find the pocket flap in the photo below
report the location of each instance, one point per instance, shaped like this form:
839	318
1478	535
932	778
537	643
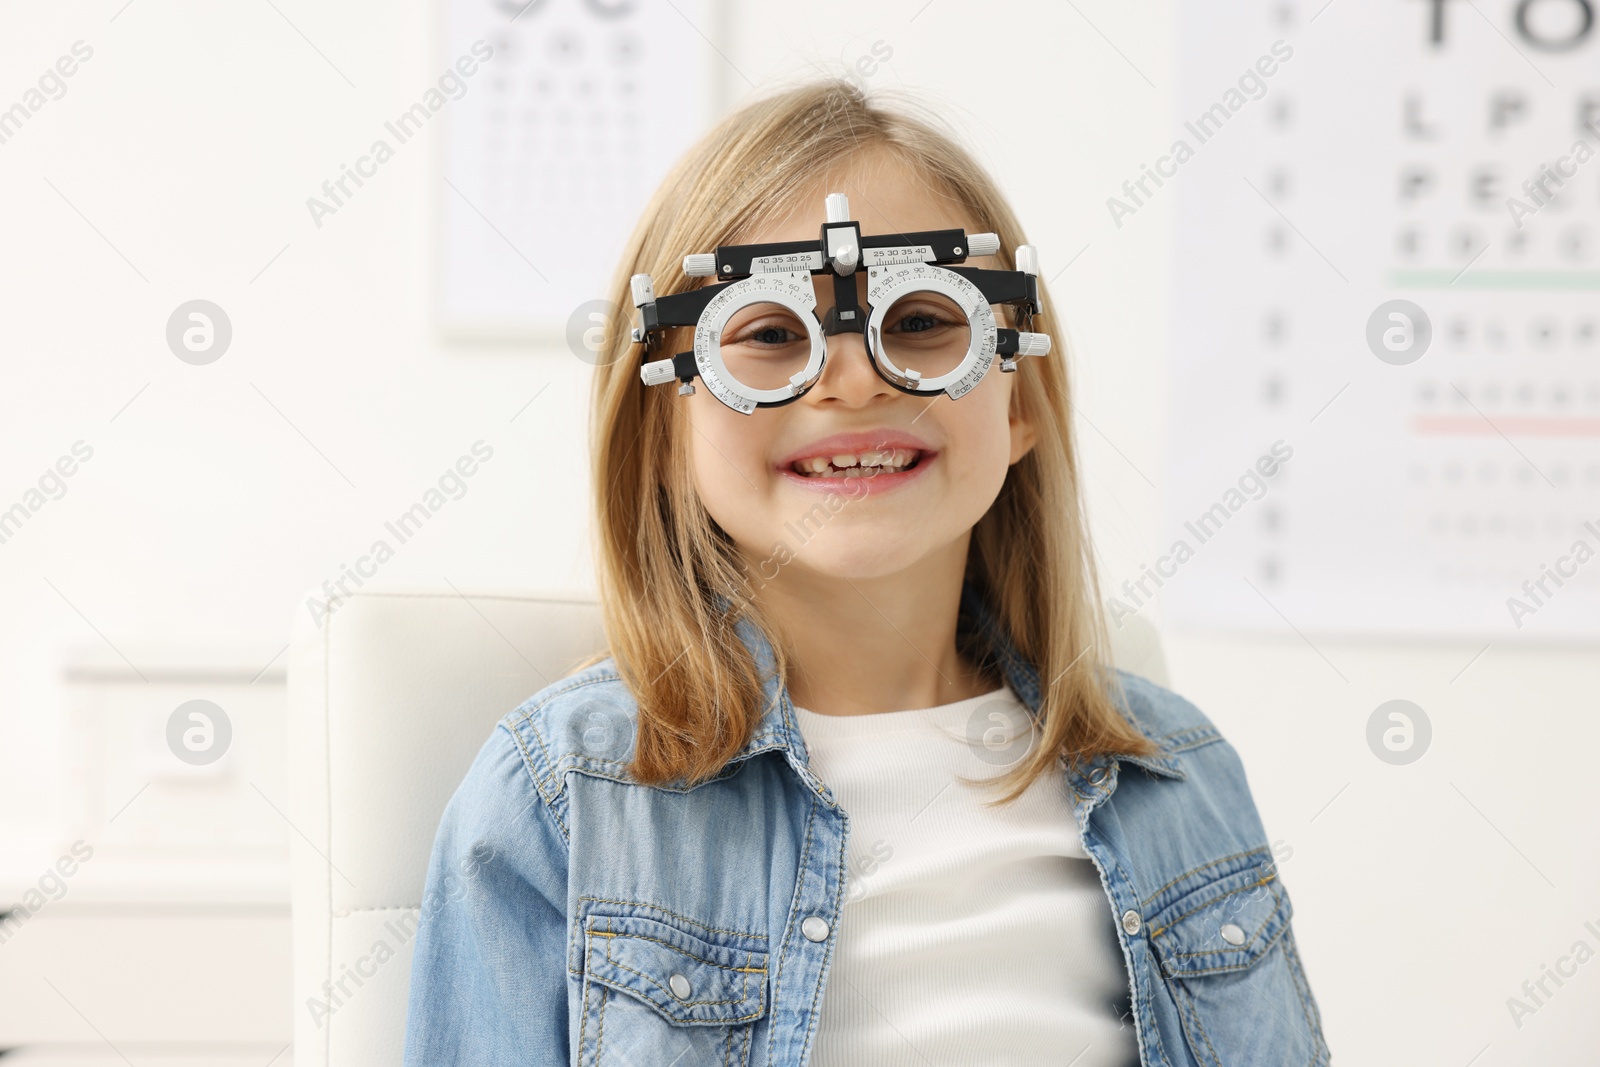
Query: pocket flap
1225	925
686	978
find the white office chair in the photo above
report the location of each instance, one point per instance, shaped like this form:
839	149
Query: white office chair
390	699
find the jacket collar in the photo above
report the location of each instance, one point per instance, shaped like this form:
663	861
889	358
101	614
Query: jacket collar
779	727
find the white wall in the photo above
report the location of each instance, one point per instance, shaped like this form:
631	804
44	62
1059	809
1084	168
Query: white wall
192	138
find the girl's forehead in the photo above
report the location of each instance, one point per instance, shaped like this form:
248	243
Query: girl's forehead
884	198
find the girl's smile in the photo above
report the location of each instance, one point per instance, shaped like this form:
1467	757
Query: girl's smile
874	461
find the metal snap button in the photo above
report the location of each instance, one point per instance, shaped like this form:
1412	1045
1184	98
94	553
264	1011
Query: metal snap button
1232	933
1131	921
815	929
1098	776
680	986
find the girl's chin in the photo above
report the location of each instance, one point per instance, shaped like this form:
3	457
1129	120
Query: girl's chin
833	556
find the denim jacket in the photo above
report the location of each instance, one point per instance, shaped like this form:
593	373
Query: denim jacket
575	916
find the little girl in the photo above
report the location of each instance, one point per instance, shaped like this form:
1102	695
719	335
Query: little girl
857	784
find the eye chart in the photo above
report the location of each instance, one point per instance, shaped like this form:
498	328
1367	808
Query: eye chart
1387	265
555	149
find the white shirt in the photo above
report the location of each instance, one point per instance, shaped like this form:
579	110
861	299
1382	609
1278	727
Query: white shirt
969	935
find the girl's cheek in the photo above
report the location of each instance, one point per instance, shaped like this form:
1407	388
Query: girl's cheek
984	430
731	446
725	462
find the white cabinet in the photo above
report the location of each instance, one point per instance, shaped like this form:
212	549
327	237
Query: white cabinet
152	920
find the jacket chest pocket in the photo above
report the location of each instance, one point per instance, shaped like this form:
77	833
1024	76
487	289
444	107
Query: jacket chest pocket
659	989
1227	955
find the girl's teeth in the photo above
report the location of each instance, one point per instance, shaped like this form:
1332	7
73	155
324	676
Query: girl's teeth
856	466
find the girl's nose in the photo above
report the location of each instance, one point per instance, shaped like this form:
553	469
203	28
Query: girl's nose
847	373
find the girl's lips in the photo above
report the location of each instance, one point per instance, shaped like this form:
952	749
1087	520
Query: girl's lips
853	444
860	484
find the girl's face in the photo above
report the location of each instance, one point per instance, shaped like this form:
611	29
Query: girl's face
926	468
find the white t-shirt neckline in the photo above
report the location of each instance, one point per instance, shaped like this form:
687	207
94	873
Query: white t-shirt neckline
873	724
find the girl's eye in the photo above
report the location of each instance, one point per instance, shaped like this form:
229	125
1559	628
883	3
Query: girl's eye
920	321
771	335
917	323
765	332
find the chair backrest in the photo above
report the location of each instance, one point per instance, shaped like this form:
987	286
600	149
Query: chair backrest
390	698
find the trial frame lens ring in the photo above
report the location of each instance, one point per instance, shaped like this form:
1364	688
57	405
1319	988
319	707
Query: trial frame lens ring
886	285
791	290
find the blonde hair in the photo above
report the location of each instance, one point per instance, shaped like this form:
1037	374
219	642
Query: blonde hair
665	567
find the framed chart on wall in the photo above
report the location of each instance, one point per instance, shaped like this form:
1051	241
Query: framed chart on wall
584	106
1385	331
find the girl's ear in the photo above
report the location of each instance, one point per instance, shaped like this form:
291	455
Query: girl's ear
1023	434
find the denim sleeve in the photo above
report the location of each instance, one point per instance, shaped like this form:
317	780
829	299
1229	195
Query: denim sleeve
488	979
